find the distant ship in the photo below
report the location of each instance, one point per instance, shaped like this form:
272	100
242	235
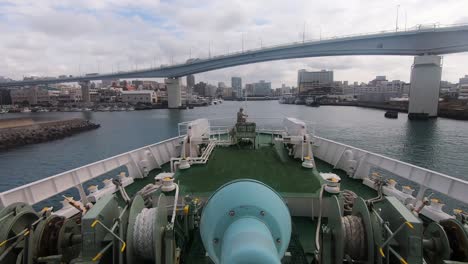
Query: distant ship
268	191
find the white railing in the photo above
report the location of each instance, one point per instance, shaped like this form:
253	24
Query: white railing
139	163
263	125
334	153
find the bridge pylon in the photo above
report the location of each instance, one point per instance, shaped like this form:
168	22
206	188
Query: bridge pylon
173	92
426	74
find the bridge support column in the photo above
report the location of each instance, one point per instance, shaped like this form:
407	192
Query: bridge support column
426	73
85	97
173	92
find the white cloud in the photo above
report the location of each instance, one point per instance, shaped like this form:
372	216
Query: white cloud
53	37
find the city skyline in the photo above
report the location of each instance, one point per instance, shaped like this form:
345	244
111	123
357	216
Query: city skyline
51	39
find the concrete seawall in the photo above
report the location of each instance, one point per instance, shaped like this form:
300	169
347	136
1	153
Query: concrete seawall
452	110
19	132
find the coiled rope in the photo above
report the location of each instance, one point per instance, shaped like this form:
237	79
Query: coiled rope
349	197
353	226
143	233
354	237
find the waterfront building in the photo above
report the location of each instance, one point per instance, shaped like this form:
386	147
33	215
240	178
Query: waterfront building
108	95
161	96
70	96
262	88
142	96
463	87
380	90
317	82
236	84
448	89
5	97
31	95
351	89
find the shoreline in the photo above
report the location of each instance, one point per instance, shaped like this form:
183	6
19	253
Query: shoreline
456	114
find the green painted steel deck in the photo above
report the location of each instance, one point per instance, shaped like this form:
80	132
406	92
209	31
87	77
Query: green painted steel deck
265	163
262	164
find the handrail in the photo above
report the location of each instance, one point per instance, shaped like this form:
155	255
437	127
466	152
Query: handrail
332	152
150	156
276	126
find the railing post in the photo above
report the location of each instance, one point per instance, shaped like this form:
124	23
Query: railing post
83	197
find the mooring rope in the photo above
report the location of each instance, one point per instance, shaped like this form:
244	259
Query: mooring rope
143	233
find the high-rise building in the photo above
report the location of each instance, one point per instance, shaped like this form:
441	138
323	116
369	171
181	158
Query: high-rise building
319	82
190	81
200	88
190	85
236	84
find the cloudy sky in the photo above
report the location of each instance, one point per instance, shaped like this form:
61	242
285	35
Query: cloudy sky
53	37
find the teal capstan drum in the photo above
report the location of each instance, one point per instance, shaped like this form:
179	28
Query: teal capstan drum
245	221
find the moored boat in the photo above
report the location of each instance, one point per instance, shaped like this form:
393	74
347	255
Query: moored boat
391	114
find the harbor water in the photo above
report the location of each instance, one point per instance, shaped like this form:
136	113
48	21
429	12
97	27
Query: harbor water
439	144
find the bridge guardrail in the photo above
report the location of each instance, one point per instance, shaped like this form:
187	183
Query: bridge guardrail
418	28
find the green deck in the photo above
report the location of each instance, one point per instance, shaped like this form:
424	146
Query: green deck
268	165
262	164
284	174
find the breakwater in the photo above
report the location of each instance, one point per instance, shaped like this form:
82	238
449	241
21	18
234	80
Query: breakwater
19	132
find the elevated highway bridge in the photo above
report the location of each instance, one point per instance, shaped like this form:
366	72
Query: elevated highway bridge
420	42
